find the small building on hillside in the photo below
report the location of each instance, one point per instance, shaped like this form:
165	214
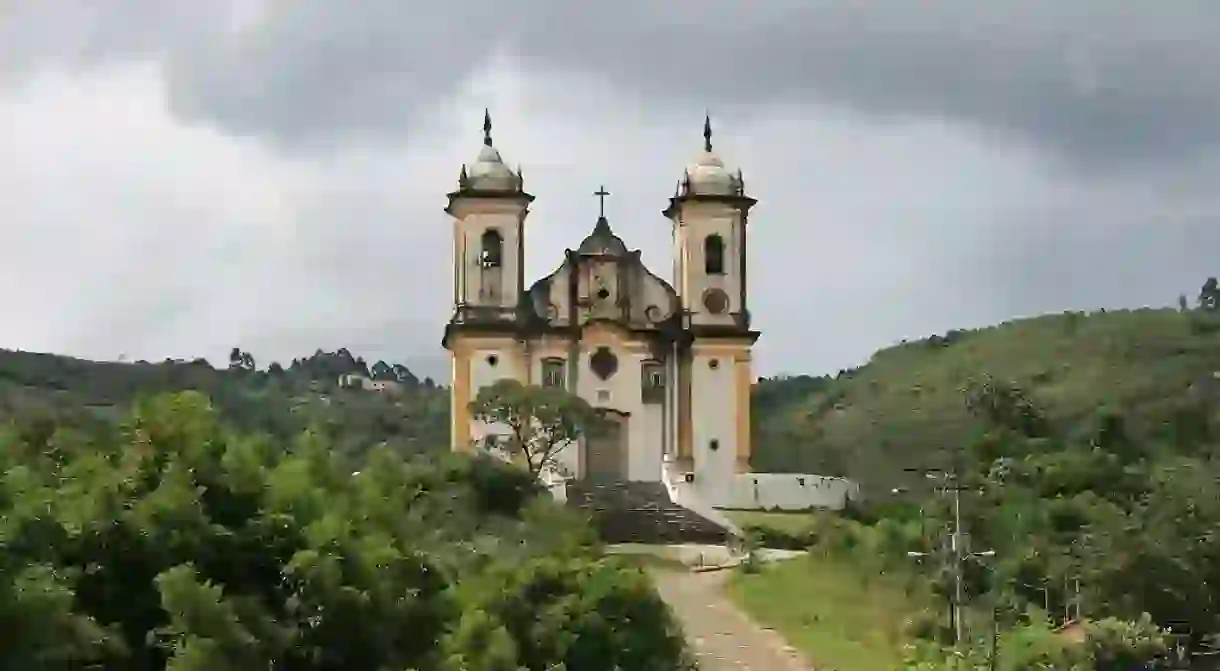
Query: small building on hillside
354	381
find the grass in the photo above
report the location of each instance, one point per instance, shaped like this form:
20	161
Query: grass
835	612
791	523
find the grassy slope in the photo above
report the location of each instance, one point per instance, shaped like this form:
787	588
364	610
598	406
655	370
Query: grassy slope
841	614
832	611
905	404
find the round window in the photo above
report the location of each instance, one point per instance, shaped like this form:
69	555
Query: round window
716	301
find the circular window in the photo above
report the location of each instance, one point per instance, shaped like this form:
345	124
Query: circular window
492	360
603	363
716	301
713	364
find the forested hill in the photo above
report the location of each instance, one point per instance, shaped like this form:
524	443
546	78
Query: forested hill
1157	369
277	400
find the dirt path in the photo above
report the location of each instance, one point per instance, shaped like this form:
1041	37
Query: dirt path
722	637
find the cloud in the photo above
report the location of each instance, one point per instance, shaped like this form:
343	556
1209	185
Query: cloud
1095	81
274	180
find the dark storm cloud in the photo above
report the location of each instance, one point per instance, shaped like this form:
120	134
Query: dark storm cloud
1093	79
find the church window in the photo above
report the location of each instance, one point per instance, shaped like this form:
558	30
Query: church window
715	301
713	255
492	244
553	373
652	382
603	363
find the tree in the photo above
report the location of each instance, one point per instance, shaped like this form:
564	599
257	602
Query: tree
1209	295
183	546
240	360
381	371
541	421
403	375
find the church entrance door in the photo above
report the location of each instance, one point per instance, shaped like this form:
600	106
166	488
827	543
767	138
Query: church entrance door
606	449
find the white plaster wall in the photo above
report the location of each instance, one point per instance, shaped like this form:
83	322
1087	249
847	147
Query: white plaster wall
622	392
696	224
789	491
472	227
688	495
645	460
483	374
714	417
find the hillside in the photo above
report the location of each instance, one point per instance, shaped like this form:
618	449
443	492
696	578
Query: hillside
906	404
279	401
900	409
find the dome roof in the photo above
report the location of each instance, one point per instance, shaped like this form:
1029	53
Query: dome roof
488	172
602	241
707	175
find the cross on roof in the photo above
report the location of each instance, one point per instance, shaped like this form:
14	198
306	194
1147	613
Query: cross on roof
601	194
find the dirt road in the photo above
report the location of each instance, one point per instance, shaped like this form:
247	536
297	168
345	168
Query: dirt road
721	636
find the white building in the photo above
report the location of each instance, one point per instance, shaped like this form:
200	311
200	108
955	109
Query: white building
669	362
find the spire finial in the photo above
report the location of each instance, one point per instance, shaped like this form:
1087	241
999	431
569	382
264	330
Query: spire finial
486	126
601	194
707	132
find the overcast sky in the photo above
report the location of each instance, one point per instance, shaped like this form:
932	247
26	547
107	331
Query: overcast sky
179	177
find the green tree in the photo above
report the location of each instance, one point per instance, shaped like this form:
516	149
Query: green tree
1209	295
180	544
541	421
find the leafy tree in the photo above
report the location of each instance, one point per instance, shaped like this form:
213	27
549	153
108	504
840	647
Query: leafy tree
1209	295
382	371
180	544
541	421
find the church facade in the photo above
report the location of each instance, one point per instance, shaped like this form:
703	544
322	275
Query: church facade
666	361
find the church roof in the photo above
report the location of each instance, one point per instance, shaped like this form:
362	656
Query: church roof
602	241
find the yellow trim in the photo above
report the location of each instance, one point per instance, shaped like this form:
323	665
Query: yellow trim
743	411
459	402
721	347
685	437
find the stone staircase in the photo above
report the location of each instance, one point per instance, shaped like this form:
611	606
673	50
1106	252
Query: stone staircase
641	512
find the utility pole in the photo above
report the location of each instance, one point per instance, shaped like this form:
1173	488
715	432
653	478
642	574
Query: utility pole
957	550
958	594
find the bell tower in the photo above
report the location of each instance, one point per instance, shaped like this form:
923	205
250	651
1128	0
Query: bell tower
488	210
710	212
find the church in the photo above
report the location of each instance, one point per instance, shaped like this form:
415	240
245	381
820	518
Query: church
666	362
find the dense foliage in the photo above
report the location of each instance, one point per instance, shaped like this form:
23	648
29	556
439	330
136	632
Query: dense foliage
41	389
1084	520
176	543
1155	368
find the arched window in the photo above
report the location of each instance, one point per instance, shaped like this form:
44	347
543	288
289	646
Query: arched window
493	248
713	255
554	373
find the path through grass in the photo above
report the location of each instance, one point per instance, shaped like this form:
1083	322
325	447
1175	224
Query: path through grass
831	609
